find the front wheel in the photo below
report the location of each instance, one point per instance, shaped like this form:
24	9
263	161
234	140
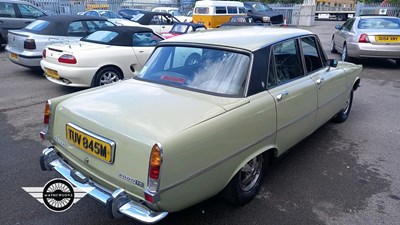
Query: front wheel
344	113
107	75
246	184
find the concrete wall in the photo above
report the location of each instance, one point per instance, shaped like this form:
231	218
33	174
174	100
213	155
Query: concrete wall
307	15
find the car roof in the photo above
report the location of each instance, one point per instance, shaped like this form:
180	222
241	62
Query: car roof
125	34
147	16
251	38
70	18
59	24
375	16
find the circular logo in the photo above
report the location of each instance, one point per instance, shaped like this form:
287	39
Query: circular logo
58	195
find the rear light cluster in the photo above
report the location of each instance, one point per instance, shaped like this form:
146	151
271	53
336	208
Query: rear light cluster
153	181
67	58
29	44
363	38
46	120
44	54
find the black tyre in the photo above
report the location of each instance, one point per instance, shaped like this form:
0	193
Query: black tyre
345	55
344	113
107	75
341	17
333	46
398	62
246	184
2	43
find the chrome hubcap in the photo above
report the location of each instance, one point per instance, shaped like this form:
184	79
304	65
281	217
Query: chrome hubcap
250	173
108	78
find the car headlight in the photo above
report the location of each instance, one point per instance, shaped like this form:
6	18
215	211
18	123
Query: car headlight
118	24
266	18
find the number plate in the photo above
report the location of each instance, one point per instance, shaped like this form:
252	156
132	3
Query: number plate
51	73
14	56
93	144
388	39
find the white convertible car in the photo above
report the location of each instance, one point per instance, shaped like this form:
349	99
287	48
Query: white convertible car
100	58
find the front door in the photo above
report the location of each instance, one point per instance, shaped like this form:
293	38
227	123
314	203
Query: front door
294	93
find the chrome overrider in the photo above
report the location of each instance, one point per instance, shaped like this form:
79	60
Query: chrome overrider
117	202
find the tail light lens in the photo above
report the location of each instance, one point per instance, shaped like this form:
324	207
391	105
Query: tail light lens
153	181
44	53
29	44
67	58
363	38
46	120
47	113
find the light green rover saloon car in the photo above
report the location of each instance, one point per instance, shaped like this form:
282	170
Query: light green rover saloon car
205	115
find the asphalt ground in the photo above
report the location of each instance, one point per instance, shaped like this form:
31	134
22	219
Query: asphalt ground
342	174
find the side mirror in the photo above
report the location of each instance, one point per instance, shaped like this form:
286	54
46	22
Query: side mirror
338	27
249	11
332	63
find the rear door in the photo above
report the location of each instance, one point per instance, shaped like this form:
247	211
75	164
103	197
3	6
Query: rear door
143	45
344	34
330	82
295	94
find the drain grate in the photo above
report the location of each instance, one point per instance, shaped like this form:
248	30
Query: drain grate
21	107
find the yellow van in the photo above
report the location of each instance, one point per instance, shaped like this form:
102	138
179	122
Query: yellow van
214	13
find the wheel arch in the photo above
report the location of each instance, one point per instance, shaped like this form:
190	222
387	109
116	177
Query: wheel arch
105	66
356	84
270	153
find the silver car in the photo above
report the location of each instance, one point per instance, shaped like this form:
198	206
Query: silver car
16	15
25	46
368	37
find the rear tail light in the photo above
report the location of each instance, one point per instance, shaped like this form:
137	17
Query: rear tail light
44	53
153	181
47	113
67	58
46	120
29	44
363	38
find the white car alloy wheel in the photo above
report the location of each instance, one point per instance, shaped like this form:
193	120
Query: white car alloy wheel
107	75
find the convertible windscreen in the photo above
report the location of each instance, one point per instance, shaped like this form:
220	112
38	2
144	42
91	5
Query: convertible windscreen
211	70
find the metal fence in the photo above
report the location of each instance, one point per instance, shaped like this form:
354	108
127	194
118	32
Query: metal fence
378	8
291	12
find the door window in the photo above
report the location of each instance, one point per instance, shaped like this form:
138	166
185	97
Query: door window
288	63
7	10
311	56
76	29
28	11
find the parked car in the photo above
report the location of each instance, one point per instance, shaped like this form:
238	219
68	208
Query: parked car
103	57
25	46
175	12
129	13
183	28
240	21
160	22
16	15
262	13
248	100
368	37
111	16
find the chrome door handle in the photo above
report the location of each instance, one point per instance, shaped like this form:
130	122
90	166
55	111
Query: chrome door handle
319	81
281	95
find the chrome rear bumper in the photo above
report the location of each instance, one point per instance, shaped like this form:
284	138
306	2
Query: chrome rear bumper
117	202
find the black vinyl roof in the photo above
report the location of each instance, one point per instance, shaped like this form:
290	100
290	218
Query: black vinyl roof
147	16
59	24
125	34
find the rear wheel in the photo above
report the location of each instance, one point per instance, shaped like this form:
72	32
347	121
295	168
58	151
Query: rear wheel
245	185
107	75
398	62
2	42
344	113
